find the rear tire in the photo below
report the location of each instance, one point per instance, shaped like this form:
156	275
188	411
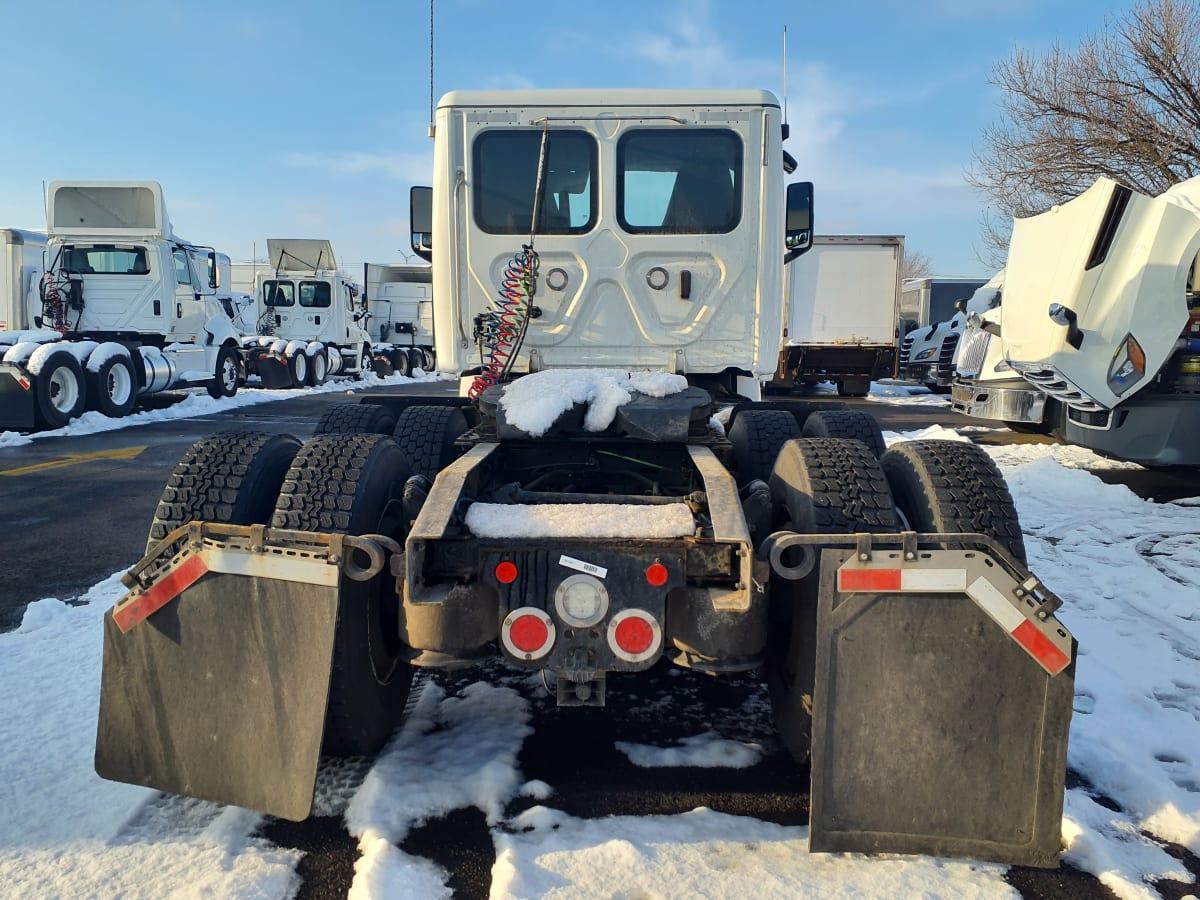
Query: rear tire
112	390
819	486
401	364
353	484
356	418
757	436
59	390
224	382
952	486
232	477
847	423
298	368
428	363
426	435
318	369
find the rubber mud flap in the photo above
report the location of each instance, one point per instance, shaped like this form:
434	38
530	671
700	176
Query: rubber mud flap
221	694
934	732
16	402
275	373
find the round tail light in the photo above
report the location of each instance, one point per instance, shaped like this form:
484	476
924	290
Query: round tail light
527	633
634	635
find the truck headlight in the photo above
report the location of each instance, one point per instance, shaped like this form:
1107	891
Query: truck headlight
926	354
1128	366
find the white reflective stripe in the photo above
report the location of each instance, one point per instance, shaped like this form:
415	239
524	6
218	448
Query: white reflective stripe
995	604
270	565
933	579
580	566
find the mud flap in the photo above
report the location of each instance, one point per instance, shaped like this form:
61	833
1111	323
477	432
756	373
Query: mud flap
275	373
217	665
16	399
941	708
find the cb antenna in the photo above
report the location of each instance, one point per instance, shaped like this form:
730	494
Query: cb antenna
431	111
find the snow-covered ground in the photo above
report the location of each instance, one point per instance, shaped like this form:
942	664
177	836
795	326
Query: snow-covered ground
1127	569
199	403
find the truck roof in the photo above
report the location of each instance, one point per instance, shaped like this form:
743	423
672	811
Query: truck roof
608	99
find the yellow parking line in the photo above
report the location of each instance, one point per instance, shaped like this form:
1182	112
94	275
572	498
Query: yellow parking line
74	459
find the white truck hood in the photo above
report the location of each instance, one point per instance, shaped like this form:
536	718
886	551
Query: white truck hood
1122	272
300	254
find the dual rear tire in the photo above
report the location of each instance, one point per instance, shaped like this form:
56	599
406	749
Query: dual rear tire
837	486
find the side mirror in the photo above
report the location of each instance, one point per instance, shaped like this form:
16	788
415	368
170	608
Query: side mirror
214	275
798	220
420	221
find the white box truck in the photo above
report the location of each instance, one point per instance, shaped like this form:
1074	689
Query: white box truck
399	299
841	317
20	269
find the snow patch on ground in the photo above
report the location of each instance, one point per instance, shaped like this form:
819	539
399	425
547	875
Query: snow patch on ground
704	751
548	854
452	752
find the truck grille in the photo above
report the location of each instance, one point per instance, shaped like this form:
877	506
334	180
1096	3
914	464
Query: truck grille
1055	384
945	363
972	351
905	350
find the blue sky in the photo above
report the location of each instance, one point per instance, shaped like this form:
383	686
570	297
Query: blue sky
302	119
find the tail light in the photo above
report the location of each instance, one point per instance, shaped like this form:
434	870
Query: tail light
634	635
527	633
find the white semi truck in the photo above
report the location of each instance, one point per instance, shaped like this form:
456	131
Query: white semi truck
933	326
1101	317
841	315
314	322
580	521
124	307
399	299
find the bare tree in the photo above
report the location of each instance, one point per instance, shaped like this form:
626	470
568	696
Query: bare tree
1125	103
915	265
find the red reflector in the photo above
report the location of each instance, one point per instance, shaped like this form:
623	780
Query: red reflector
506	572
528	633
869	580
657	574
634	635
24	382
1040	647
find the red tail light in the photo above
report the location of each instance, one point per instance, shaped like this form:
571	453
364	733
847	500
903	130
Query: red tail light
634	635
527	633
506	572
657	574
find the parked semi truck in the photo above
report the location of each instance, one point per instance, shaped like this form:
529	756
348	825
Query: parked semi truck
124	307
1101	318
841	315
399	300
582	521
933	324
313	321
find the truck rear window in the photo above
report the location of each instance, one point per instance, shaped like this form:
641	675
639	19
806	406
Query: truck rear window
505	178
106	260
315	293
278	293
679	181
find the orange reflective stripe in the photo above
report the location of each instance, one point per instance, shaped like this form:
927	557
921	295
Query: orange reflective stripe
160	594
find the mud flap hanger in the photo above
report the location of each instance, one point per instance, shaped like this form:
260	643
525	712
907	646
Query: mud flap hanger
193	550
895	563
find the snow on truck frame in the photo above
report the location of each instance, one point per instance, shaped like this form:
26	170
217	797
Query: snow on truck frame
582	521
124	307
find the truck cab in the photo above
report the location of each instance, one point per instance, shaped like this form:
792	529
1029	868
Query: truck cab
657	215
